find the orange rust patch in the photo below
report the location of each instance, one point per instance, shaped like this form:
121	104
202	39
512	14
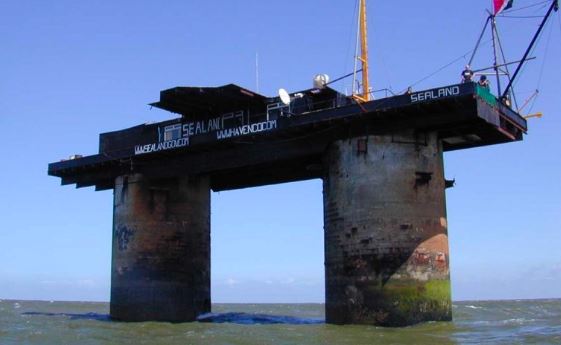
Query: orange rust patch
438	243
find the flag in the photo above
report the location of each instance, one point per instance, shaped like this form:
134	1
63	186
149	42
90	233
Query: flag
501	5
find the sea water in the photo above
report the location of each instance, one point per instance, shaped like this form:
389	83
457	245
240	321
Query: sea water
491	322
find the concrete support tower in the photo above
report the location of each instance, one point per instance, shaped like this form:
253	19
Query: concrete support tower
161	249
386	243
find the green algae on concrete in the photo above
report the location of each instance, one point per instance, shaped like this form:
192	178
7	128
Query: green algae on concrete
403	303
387	257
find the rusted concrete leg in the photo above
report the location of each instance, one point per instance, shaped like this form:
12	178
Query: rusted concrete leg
161	249
386	243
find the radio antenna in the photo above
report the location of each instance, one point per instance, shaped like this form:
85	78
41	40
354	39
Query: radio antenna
257	71
363	96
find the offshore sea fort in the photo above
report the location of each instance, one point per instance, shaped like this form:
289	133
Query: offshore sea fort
491	322
381	163
380	160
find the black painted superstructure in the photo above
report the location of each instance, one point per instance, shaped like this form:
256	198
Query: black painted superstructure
242	139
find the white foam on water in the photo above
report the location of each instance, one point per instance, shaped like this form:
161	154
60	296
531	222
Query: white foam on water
517	321
473	307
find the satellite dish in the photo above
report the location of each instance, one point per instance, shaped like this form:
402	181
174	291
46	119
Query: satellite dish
284	96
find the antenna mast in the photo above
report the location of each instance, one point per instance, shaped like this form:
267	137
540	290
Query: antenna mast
257	71
365	95
554	7
494	35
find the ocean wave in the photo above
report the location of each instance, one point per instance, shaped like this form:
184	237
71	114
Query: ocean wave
253	319
85	316
517	321
473	307
492	322
506	322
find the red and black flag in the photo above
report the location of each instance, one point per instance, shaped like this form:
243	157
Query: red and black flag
501	5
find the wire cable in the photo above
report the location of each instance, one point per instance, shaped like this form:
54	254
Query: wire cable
355	59
518	9
350	39
559	20
533	103
545	56
542	68
520	17
524	67
442	68
500	45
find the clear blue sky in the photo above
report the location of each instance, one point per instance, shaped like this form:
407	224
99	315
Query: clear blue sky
73	69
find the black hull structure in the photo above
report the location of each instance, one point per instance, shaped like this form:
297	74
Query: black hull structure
242	139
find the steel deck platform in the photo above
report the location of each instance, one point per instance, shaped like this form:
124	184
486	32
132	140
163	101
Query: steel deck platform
249	148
